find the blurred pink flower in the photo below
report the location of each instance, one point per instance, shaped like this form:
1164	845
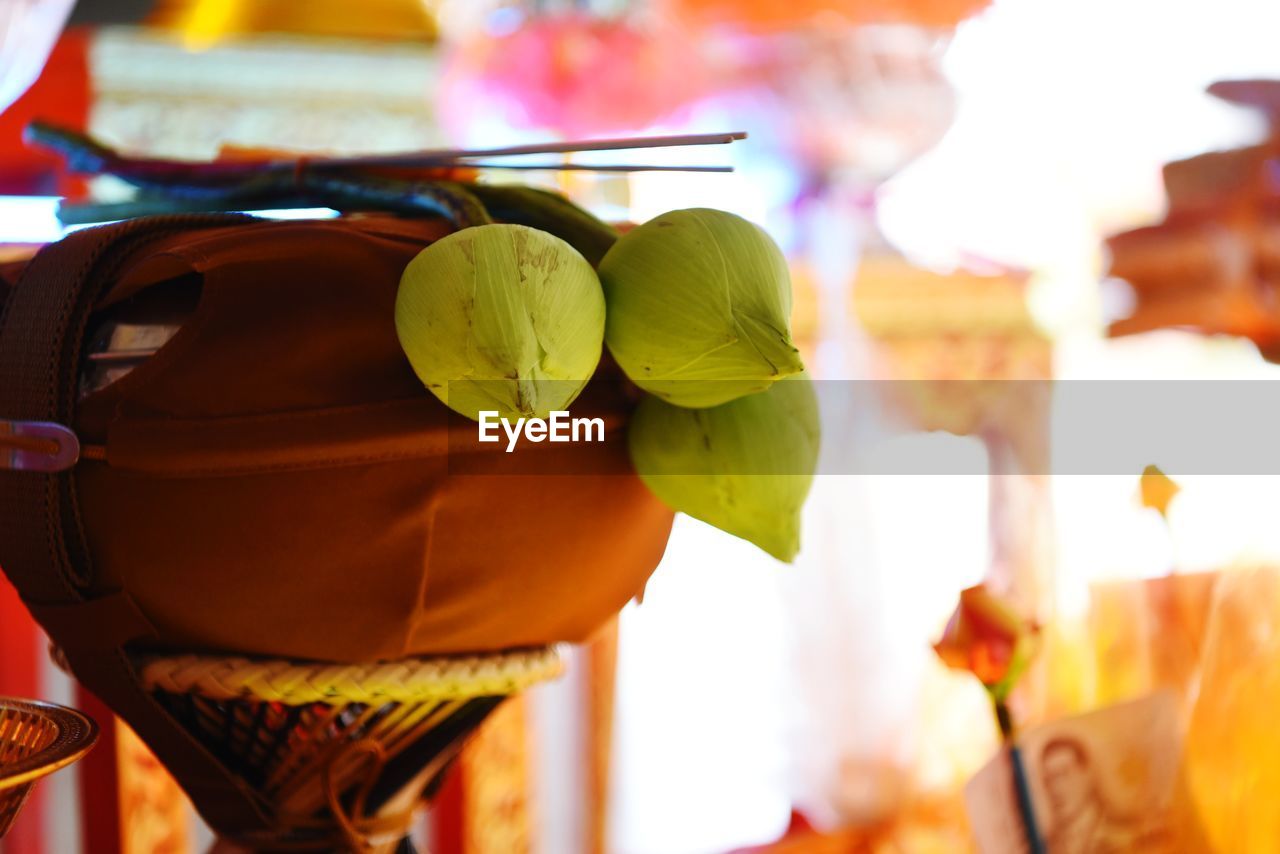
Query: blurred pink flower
575	75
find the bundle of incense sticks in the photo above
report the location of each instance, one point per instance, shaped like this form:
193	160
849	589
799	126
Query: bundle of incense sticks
84	154
431	181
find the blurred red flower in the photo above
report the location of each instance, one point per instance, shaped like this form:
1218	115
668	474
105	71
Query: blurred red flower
988	638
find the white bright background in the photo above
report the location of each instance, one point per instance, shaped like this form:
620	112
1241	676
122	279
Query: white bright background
1066	111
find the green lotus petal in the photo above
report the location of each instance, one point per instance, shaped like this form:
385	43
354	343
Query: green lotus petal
745	466
699	306
501	317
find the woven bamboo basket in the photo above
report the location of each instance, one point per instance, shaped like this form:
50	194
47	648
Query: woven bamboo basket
342	755
36	739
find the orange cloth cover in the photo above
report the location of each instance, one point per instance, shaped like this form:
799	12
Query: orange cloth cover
277	481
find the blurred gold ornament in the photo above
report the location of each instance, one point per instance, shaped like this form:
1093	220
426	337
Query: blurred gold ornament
205	23
1157	489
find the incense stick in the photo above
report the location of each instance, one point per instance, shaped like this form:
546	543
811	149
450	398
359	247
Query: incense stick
588	167
449	156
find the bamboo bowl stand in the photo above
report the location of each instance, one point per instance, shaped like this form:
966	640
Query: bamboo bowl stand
341	755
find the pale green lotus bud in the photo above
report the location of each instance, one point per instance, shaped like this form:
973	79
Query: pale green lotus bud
744	466
699	307
501	317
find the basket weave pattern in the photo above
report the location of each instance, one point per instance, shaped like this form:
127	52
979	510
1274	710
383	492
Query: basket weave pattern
36	739
338	748
294	683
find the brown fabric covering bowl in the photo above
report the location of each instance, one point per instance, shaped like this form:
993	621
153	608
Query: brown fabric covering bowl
277	481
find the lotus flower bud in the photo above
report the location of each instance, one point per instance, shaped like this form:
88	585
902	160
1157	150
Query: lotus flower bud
501	317
744	466
699	306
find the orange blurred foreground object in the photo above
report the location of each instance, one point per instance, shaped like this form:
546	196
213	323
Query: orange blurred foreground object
766	15
1232	753
1149	634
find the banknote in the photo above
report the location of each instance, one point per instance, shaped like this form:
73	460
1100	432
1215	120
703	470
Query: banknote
1100	783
